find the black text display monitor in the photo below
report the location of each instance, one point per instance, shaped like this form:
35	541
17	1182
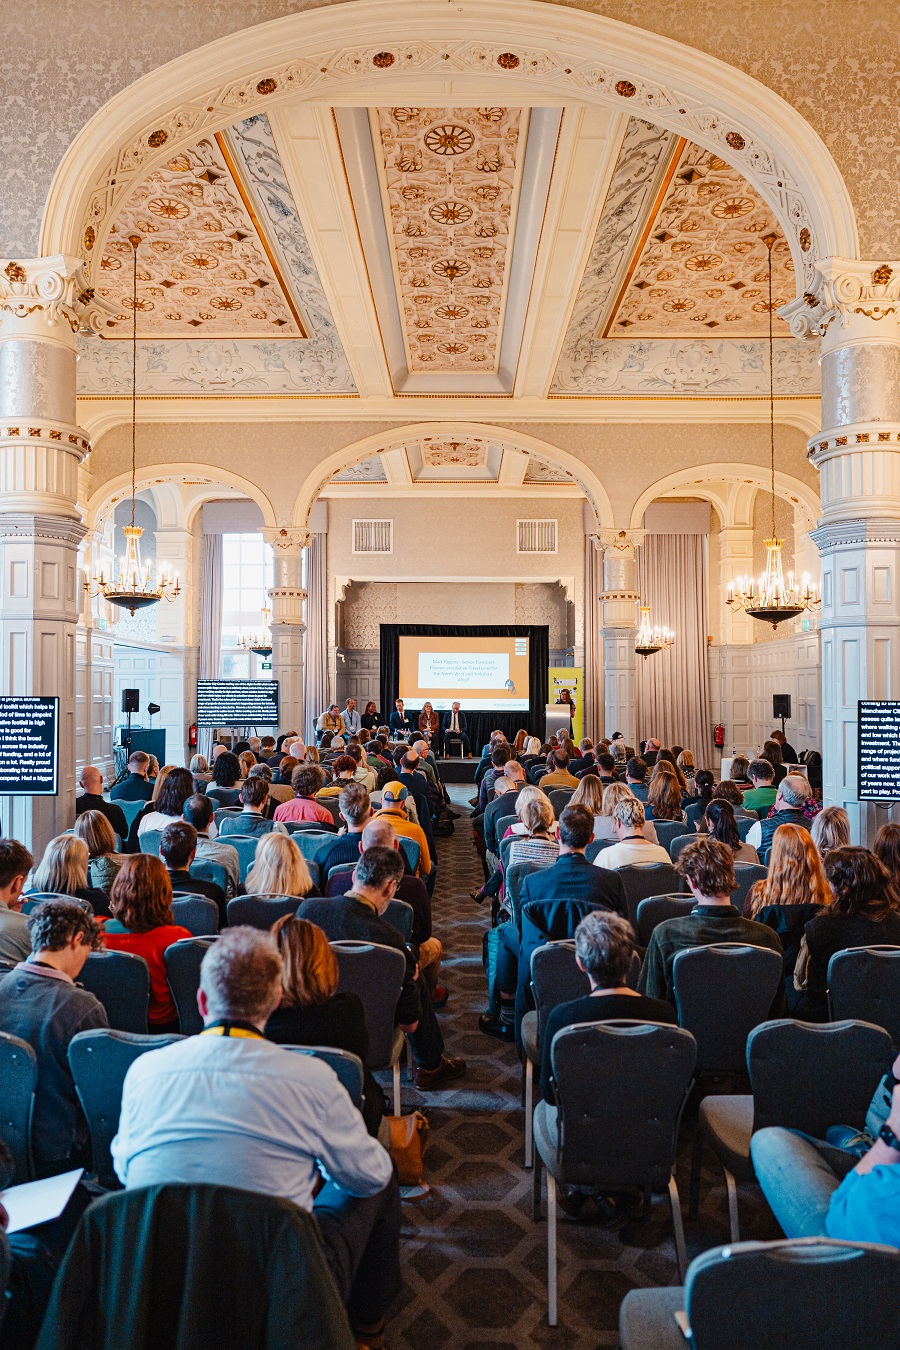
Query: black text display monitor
29	746
237	703
879	750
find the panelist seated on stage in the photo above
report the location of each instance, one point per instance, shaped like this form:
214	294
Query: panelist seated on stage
456	729
428	723
330	720
400	723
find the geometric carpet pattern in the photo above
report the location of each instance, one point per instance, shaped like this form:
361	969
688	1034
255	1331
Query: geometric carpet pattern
474	1261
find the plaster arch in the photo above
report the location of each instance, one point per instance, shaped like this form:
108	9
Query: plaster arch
159	481
389	51
516	440
746	478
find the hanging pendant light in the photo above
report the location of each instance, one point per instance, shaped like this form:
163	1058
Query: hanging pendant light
650	640
134	588
259	646
775	599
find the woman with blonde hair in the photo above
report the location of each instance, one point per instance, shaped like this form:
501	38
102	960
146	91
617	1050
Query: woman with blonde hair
685	762
63	870
664	795
104	860
312	1012
604	826
538	844
312	755
793	893
831	829
142	923
279	868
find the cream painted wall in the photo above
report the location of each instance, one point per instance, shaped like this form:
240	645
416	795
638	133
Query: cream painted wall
371	603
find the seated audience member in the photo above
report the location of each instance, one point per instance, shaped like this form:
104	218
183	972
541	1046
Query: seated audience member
104	860
636	778
380	833
503	804
141	905
306	781
363	774
664	797
739	767
330	721
705	784
605	768
538	845
356	810
865	912
887	849
254	795
173	787
668	757
788	753
41	1003
414	781
500	756
571	877
370	719
137	786
178	849
247	761
651	749
343	769
359	915
63	870
229	1104
312	1012
199	767
794	892
831	829
226	780
631	846
618	749
456	728
394	795
557	774
279	868
685	762
727	791
280	789
15	864
815	1190
708	869
760	796
153	768
604	822
198	812
788	810
604	950
266	775
772	752
92	799
722	826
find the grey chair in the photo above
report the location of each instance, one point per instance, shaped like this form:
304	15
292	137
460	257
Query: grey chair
121	981
803	1076
555	979
197	914
816	1293
504	823
597	846
679	843
723	991
261	911
305	826
656	909
376	974
36	898
204	869
598	1139
400	915
864	983
183	960
310	842
348	1067
745	825
149	841
641	880
411	850
246	845
18	1074
99	1061
746	875
559	799
667	830
333	884
512	887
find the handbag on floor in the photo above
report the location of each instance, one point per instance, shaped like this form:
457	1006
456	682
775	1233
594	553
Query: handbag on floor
409	1140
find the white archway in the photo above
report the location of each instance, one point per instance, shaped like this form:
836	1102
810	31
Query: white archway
746	479
389	50
157	477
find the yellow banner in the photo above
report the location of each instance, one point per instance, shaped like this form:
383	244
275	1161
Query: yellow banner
571	679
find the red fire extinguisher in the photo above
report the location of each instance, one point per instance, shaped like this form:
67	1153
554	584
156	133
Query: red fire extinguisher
192	734
719	736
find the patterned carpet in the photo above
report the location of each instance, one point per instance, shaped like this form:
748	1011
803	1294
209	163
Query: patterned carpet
474	1261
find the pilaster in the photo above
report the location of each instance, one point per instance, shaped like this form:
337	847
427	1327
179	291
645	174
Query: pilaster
287	598
735	560
619	601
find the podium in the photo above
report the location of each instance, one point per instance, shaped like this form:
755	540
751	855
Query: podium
556	718
152	742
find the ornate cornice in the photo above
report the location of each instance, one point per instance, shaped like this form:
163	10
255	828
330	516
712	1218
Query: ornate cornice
42	528
861	530
37	294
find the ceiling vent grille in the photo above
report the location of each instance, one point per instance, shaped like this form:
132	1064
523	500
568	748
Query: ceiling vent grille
373	536
536	536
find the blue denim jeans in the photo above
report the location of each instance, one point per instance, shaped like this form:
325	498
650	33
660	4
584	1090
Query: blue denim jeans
799	1175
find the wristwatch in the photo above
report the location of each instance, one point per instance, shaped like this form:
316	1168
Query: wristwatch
887	1134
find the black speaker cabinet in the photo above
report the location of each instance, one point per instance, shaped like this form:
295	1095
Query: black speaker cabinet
781	705
131	700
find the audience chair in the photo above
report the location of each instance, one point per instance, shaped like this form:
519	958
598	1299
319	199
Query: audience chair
504	823
864	983
679	843
803	1076
667	830
620	1089
745	825
597	846
196	913
99	1061
246	850
816	1293
149	842
400	916
746	875
555	979
304	826
559	799
261	911
723	991
348	1067
222	811
36	898
203	869
410	847
512	888
641	880
376	974
18	1074
309	842
121	981
130	810
333	884
183	961
656	909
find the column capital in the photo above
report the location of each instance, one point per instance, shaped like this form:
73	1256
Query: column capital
285	540
620	543
48	298
859	301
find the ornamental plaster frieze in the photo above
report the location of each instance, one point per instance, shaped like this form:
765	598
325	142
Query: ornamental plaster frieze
686	368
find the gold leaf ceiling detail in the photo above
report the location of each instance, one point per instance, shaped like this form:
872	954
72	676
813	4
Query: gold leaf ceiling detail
700	265
202	266
450	179
470	453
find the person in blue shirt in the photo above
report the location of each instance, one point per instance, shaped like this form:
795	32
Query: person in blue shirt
351	718
815	1190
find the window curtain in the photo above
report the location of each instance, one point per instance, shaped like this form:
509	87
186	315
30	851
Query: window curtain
673	685
315	661
212	585
593	640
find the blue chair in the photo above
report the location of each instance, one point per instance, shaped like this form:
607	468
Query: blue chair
149	841
36	898
121	981
348	1068
305	826
183	960
261	911
197	914
204	869
412	850
376	974
310	842
246	845
400	916
18	1074
130	810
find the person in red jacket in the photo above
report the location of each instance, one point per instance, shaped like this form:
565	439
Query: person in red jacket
141	905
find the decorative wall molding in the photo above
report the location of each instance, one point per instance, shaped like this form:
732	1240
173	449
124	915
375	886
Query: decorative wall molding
688	369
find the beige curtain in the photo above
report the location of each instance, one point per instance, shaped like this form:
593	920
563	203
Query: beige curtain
593	640
673	685
315	654
211	589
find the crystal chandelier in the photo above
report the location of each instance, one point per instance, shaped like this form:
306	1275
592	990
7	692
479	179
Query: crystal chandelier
772	599
259	646
650	640
134	588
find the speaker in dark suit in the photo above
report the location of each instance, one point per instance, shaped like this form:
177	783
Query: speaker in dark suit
456	728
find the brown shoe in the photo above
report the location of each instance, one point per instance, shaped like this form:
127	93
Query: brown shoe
450	1067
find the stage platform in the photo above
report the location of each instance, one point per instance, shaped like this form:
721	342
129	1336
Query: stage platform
457	770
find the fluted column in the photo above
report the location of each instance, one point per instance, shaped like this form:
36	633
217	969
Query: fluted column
43	303
287	597
619	600
857	454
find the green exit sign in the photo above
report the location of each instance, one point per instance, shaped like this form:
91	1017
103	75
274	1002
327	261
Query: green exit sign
266	665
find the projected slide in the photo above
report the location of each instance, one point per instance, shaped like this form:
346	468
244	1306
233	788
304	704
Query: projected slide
485	673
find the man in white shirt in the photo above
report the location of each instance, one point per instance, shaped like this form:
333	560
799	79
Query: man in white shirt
351	718
230	1108
632	847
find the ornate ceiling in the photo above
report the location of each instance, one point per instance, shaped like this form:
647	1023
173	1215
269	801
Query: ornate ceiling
446	460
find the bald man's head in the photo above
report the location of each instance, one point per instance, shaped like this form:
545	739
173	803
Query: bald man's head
514	771
379	833
92	780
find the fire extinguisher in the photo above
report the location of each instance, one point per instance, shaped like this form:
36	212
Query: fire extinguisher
192	735
719	736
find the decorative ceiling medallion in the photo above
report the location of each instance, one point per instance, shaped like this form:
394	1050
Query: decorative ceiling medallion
467	166
471	454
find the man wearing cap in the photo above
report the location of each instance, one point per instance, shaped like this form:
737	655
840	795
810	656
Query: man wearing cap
393	797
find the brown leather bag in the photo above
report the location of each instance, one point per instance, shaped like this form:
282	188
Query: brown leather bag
409	1140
